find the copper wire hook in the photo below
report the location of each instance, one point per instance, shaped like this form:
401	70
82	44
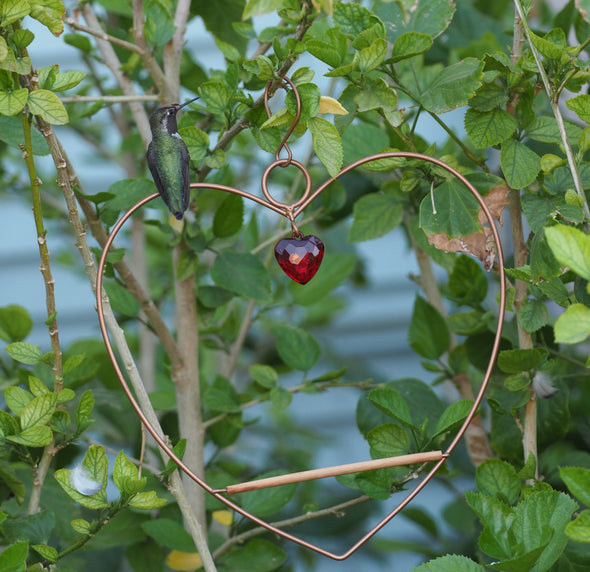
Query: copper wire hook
283	143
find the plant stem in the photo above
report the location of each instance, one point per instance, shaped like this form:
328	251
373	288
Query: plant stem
529	431
554	102
41	468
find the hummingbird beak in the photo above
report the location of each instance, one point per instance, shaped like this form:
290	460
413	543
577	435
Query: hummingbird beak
179	107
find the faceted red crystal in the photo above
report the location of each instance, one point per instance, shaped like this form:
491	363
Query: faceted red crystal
300	258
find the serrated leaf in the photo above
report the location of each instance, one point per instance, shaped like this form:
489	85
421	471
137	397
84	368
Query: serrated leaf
197	142
580	105
242	273
392	404
216	95
453	86
352	19
372	56
48	106
326	144
579	529
50	13
408	45
388	440
375	215
124	470
498	479
520	164
486	129
533	314
260	7
67	80
450	563
515	361
453	416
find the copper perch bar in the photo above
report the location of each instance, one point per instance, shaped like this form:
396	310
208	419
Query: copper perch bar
334	471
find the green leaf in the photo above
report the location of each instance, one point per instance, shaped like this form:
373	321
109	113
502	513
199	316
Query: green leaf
453	86
148	500
242	273
11	132
121	299
372	56
520	164
258	554
264	375
352	19
67	80
571	247
515	361
36	528
374	215
376	95
456	211
221	396
24	352
36	436
39	410
96	463
47	552
159	24
324	52
216	95
489	128
296	347
498	479
375	484
50	13
229	216
169	533
60	421
13	102
467	283
14	557
579	529
453	417
213	297
280	398
573	326
430	18
37	387
450	563
17	398
580	105
15	323
326	144
260	7
388	440
265	502
48	106
408	45
84	410
428	335
335	269
95	501
392	404
81	526
124	471
577	480
197	142
533	314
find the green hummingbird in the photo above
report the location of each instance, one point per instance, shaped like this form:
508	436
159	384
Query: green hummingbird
168	159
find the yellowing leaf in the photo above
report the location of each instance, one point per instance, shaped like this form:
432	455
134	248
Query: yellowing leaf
224	517
331	105
323	5
178	560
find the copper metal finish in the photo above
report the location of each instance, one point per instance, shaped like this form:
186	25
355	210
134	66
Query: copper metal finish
291	212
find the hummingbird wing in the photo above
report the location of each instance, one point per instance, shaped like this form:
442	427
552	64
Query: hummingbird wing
186	177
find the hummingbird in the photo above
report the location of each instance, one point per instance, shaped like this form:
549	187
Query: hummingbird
168	159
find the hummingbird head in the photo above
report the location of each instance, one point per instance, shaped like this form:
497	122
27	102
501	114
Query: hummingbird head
164	118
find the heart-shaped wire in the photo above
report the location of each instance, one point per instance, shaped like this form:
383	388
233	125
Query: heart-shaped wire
291	212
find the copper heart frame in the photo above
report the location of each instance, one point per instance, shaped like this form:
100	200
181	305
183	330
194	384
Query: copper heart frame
291	212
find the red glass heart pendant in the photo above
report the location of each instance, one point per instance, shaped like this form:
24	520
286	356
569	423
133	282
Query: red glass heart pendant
300	257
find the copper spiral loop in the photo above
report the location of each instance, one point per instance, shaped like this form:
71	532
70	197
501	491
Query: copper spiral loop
291	212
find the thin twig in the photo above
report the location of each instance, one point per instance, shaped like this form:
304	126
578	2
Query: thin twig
102	35
108	98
